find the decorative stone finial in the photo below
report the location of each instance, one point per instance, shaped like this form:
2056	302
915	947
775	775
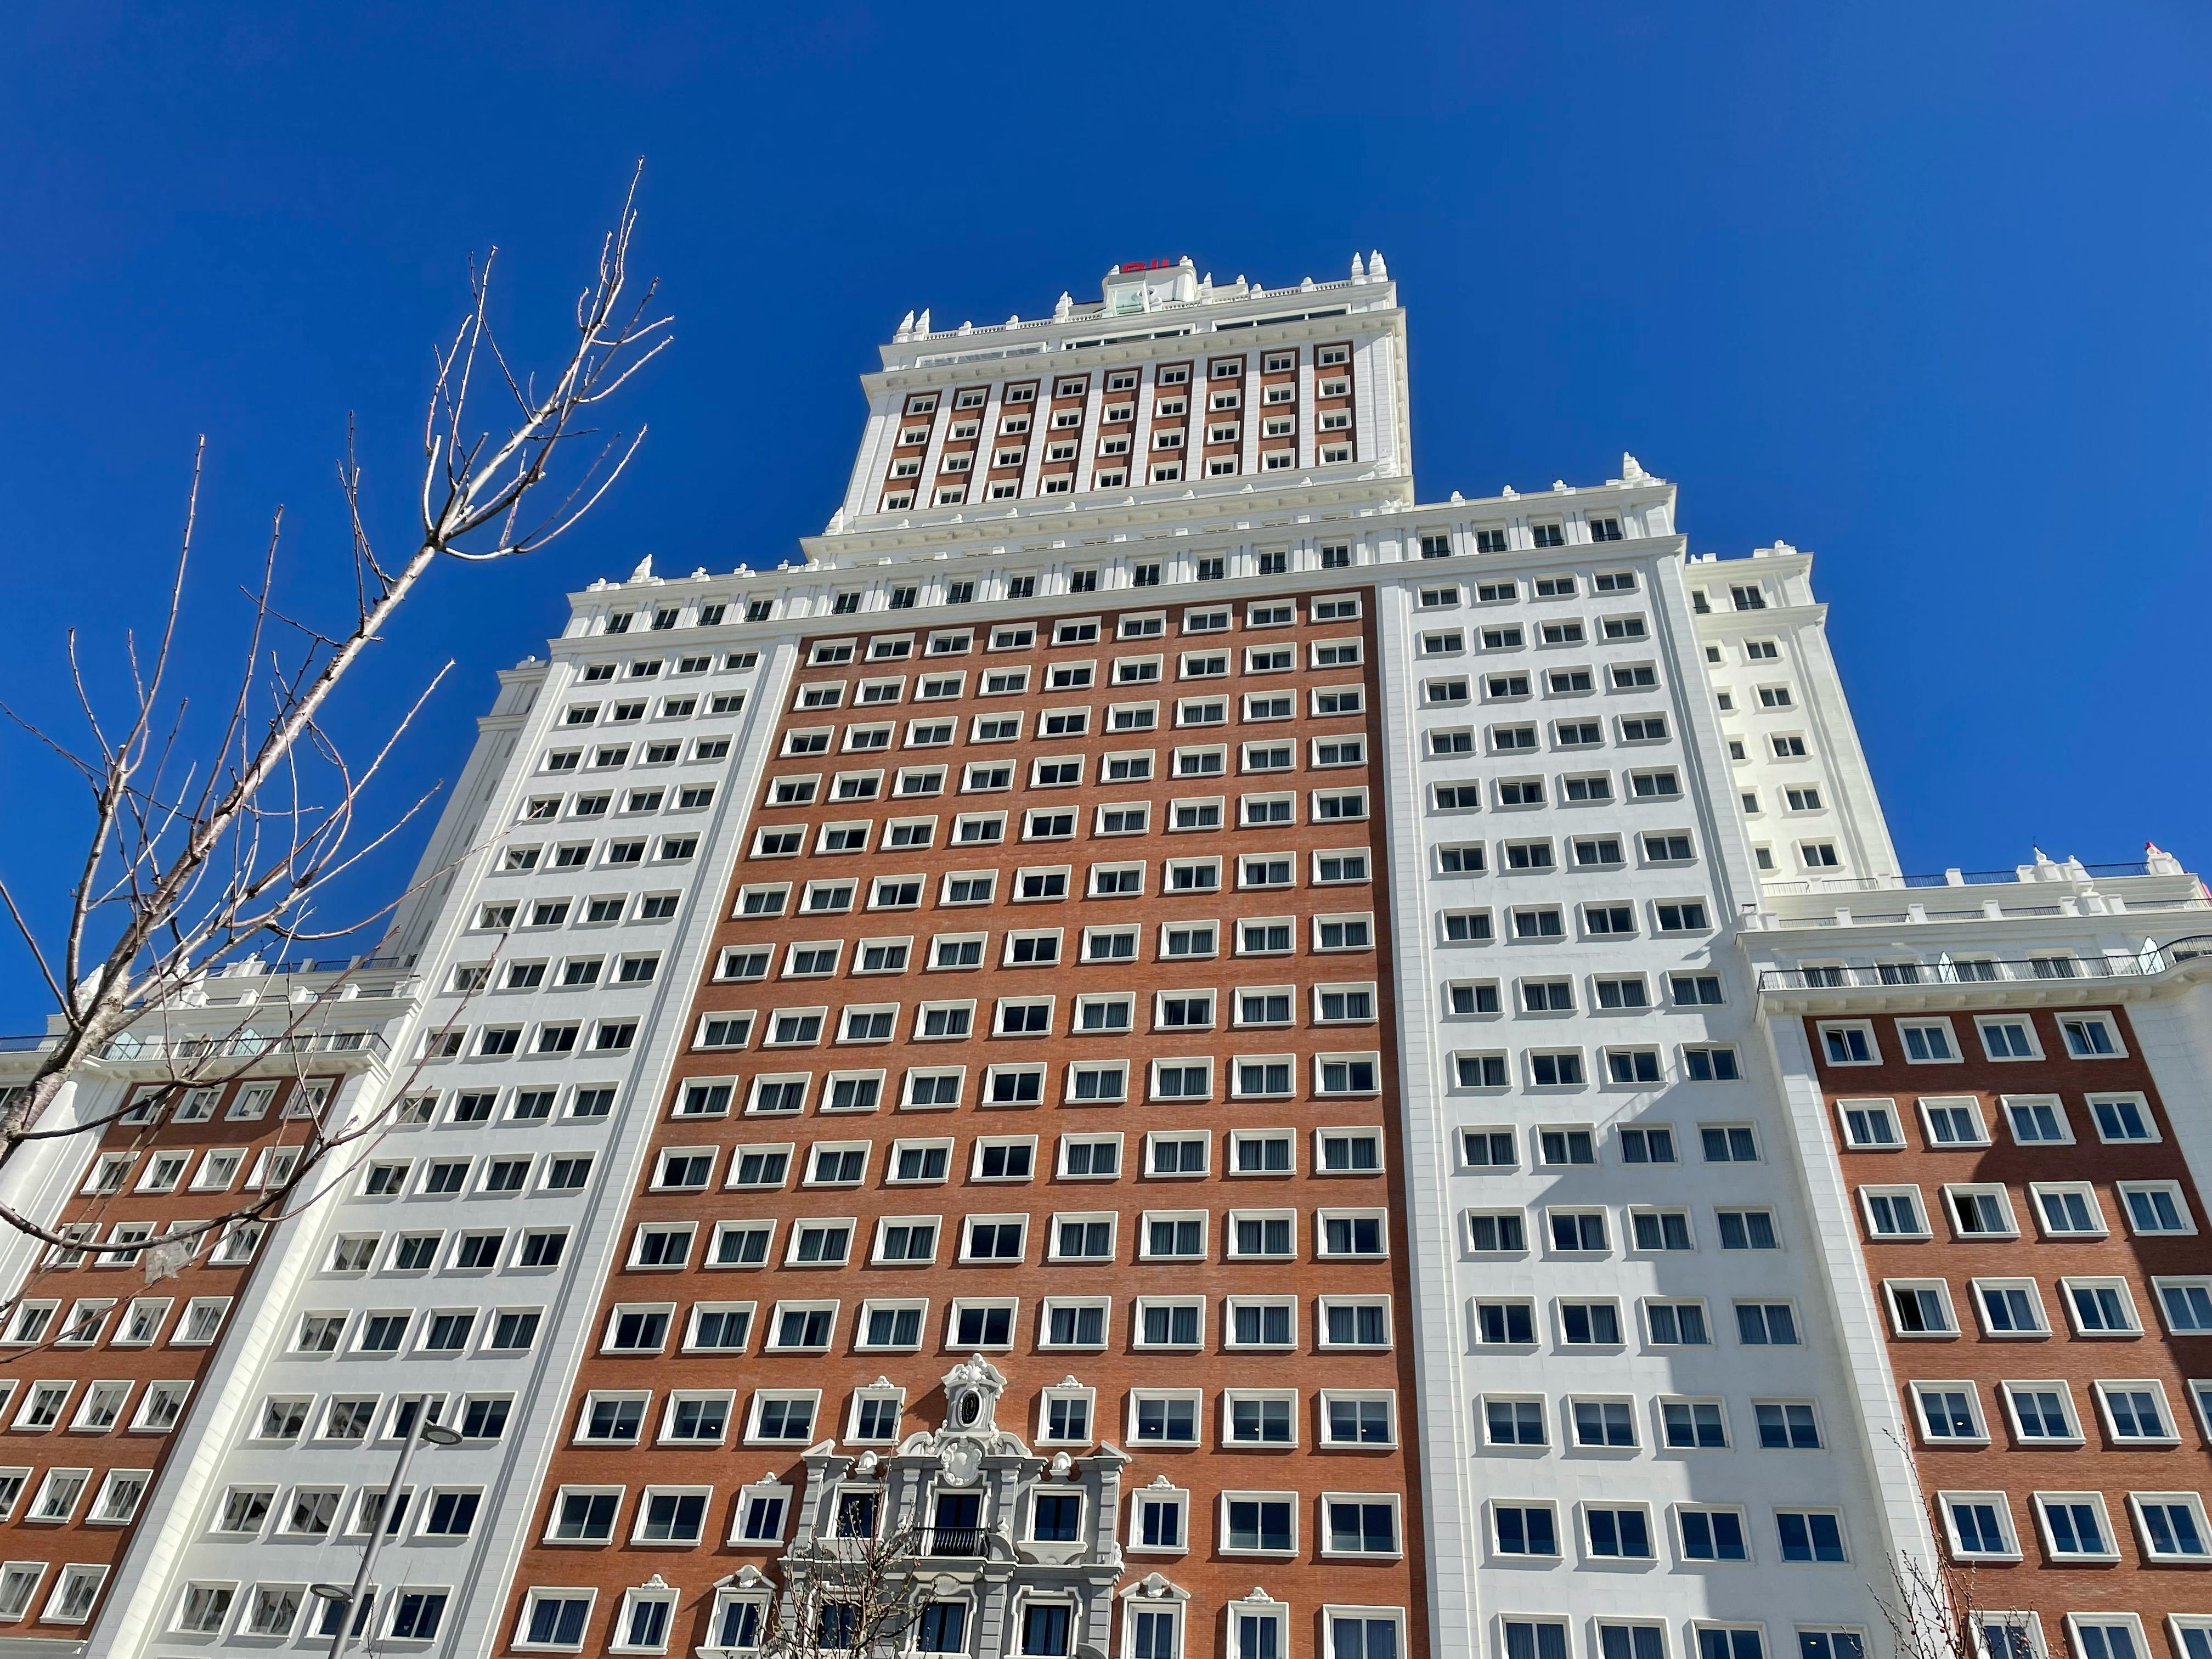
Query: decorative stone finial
644	571
1375	267
905	329
1359	271
1630	469
1063	307
922	323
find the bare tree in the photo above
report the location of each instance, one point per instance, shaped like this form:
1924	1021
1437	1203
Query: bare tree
845	1595
206	846
1933	1613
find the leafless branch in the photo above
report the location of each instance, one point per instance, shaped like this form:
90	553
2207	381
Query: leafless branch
1932	1610
197	853
847	1594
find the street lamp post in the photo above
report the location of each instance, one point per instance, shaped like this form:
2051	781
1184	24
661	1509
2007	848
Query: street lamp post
420	1430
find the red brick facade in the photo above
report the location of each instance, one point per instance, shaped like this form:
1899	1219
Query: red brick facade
2068	1155
981	1134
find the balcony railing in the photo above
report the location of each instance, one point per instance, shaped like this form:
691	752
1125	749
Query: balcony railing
962	1543
2018	876
130	1049
2048	969
328	964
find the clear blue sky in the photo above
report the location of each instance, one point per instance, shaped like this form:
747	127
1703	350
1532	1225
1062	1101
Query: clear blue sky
1921	288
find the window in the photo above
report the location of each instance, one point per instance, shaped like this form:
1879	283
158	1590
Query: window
1524	1529
2155	1206
1672	1324
2119	1636
1765	1324
1979	1526
1893	1211
2122	1118
1603	1422
1869	1124
2104	1307
2074	1527
2037	1120
1712	1535
2186	1304
1694	1423
1660	1230
1748	1231
1513	1422
1576	1230
1367	1526
2088	1036
1948	1413
1160	1417
1617	1533
1950	1123
2007	1037
1979	1211
1920	1307
1810	1536
1355	1323
2171	1525
1505	1323
1557	1070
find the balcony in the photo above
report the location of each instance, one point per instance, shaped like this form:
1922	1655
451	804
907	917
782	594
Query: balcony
130	1051
962	1543
1974	877
2046	889
2053	978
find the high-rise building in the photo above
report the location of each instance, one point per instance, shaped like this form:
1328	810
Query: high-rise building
1170	1051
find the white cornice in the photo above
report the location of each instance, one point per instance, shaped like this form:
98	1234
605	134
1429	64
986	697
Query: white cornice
1035	541
1044	340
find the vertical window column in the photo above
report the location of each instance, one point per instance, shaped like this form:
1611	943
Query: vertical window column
1040	430
941	423
987	446
1309	440
1247	417
1086	448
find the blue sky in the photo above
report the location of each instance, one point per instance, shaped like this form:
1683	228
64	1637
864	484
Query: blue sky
1922	288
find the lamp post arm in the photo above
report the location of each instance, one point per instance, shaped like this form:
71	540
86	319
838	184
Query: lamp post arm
344	1639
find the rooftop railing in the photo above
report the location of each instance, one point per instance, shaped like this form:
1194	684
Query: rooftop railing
2018	874
2052	967
246	1045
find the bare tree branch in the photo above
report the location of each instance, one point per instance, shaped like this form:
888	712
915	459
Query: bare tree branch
197	855
853	1592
